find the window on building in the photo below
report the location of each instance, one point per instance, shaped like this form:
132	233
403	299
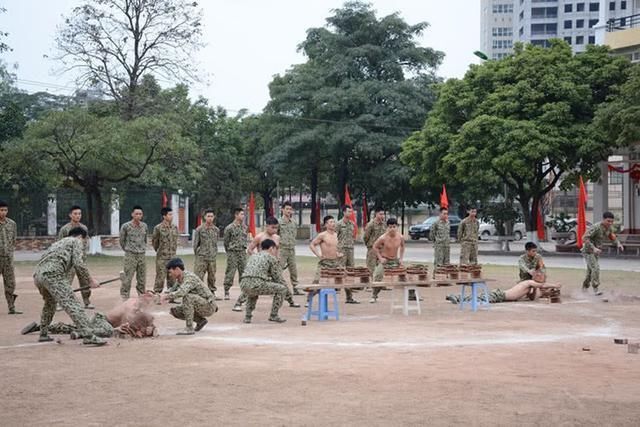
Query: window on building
579	23
594	7
567	39
592	39
542	43
579	39
568	24
580	7
521	31
521	17
623	5
612	5
568	8
592	22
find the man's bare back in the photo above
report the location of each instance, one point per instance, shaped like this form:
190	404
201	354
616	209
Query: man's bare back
261	237
127	311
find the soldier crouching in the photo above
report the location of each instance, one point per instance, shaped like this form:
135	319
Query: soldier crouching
198	301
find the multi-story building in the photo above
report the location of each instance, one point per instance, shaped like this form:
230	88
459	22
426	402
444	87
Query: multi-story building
496	28
538	21
622	33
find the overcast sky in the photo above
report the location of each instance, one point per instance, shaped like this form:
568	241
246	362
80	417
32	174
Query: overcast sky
248	41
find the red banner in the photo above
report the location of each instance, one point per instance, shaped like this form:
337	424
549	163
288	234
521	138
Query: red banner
540	223
444	200
365	212
165	199
318	219
582	221
347	202
634	170
252	216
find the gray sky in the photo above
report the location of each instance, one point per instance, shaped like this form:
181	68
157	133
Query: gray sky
248	41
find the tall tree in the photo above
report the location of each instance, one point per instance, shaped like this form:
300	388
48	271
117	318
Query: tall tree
3	34
523	121
89	152
114	43
365	87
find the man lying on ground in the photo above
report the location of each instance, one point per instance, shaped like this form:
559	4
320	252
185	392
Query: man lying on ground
128	318
530	288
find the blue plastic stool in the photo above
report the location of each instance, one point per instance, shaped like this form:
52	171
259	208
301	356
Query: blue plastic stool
323	311
474	295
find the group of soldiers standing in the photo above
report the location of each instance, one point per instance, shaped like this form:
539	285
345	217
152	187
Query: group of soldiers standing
259	264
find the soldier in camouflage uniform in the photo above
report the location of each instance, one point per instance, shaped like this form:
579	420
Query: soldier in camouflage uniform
235	245
287	231
8	232
374	229
263	276
345	230
205	247
530	289
165	242
530	262
133	240
593	240
198	301
51	277
75	215
468	234
440	235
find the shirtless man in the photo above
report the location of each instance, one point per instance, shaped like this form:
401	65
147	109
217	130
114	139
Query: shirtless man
529	288
128	318
270	232
329	257
389	249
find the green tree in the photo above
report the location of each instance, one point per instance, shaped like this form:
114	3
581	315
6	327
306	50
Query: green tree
524	121
80	150
619	119
114	43
3	34
365	87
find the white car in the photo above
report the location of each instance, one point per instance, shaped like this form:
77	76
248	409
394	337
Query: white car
487	229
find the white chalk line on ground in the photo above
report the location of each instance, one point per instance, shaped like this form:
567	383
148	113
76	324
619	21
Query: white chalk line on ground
435	343
32	344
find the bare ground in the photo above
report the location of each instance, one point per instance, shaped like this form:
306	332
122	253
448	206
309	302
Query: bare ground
514	364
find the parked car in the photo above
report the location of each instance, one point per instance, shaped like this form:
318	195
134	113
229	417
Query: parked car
422	230
487	229
571	235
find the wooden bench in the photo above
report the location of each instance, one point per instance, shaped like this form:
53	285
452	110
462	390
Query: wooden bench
631	243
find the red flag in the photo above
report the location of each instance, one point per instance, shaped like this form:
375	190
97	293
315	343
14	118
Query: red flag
444	200
347	202
582	221
365	213
318	220
165	199
540	223
252	216
198	220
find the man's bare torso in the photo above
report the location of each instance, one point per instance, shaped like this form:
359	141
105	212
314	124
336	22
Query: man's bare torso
329	245
389	246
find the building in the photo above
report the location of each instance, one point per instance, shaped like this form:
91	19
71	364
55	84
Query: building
496	28
622	33
538	21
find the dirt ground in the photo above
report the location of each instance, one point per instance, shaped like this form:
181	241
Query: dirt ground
514	364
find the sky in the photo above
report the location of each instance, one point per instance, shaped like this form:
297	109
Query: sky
247	41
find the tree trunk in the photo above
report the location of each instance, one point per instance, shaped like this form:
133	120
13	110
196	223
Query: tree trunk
314	194
343	179
90	216
267	200
99	212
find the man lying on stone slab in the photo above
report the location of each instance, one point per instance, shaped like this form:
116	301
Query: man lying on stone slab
127	319
531	289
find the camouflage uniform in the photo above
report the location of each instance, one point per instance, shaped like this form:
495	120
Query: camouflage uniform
287	232
165	242
64	232
8	232
378	274
133	240
346	241
99	325
372	232
205	247
595	237
263	276
526	263
326	263
468	238
235	245
51	277
439	234
198	301
495	296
